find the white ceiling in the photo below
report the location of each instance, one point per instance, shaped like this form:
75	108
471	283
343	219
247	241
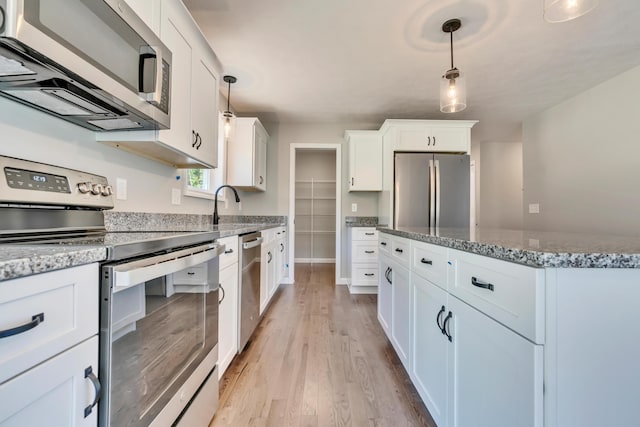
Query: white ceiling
368	60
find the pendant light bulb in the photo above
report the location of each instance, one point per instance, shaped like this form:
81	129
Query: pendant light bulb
453	93
229	117
566	10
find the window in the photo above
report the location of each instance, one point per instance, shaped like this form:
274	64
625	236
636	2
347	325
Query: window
203	182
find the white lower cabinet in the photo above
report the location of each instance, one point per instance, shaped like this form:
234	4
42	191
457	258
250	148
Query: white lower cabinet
54	393
495	376
401	312
228	310
273	265
469	370
384	294
429	367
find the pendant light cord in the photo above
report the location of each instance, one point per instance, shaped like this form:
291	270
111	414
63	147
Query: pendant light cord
228	95
451	34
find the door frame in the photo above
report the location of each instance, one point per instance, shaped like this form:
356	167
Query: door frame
292	203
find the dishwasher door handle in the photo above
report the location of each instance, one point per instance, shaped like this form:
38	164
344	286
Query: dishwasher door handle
252	243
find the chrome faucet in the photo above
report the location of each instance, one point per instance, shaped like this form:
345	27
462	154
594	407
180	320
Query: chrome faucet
216	218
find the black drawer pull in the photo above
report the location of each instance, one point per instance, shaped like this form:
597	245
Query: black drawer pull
88	373
383	243
190	273
399	250
369	274
224	294
445	326
440	313
369	252
483	285
229	251
36	319
426	261
369	234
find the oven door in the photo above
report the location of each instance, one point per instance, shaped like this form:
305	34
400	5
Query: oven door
158	339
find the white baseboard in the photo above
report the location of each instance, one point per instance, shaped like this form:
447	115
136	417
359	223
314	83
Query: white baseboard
370	290
315	260
343	281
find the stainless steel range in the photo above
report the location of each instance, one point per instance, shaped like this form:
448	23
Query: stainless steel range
158	302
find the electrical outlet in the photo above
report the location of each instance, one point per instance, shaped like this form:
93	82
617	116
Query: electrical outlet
121	189
354	207
534	208
176	196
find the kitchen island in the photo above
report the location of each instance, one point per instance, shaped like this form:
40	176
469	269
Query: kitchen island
514	328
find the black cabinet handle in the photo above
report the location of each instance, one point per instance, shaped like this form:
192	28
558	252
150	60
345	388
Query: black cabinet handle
429	138
383	243
88	373
194	140
198	141
352	181
440	313
270	256
369	252
426	261
369	234
228	251
281	247
224	294
480	284
445	326
36	319
399	250
369	274
261	179
434	140
388	273
190	273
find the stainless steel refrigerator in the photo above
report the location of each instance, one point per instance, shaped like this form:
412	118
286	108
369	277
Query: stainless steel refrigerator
431	190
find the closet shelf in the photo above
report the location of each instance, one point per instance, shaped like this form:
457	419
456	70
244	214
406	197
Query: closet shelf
315	198
315	181
315	232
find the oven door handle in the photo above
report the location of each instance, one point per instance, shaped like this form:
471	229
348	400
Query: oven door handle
136	272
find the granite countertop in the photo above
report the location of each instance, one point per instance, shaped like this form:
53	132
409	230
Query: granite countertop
534	248
25	260
362	221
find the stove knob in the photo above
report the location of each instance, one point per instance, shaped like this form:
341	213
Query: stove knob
96	189
84	187
107	190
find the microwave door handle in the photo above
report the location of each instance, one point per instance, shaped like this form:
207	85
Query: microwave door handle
147	53
437	173
136	272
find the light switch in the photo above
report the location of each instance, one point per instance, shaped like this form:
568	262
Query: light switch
354	207
121	189
175	196
534	208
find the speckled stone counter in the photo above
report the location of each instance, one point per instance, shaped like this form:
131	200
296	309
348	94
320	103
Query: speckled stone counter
361	221
534	248
21	260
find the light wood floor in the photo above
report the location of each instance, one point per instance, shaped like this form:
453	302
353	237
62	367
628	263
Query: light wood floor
319	358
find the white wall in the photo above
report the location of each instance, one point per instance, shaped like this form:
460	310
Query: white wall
33	135
581	161
501	185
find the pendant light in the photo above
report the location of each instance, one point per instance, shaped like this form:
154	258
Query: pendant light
566	10
229	117
453	91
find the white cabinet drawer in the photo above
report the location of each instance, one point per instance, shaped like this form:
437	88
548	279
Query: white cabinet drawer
430	262
281	233
510	293
365	252
68	300
196	275
400	251
364	275
230	254
364	233
384	244
54	393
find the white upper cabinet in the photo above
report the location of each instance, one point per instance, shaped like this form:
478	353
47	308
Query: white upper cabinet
148	11
430	135
247	155
365	160
192	140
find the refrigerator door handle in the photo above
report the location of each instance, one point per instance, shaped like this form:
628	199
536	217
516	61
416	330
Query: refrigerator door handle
432	194
437	172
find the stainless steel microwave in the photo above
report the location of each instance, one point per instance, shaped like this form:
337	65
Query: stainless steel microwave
94	63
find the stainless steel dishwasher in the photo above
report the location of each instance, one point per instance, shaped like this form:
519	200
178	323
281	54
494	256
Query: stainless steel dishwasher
249	298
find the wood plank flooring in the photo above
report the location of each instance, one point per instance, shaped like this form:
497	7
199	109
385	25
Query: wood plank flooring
319	358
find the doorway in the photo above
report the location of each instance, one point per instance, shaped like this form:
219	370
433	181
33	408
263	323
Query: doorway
314	205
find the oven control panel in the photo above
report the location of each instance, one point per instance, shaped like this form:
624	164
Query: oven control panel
32	183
